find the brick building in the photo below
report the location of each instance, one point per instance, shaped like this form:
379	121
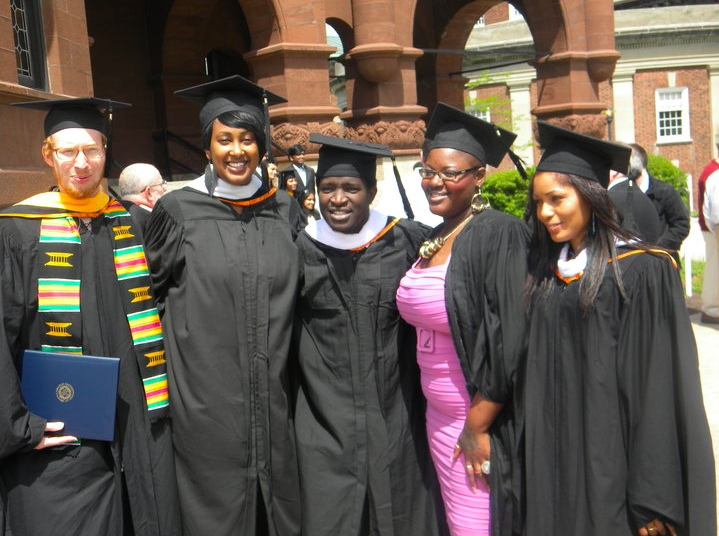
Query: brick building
397	59
663	94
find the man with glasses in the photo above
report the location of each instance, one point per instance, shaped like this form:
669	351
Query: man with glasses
141	185
75	281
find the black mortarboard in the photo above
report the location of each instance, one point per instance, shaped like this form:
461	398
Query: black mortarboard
233	93
455	129
566	151
85	112
339	157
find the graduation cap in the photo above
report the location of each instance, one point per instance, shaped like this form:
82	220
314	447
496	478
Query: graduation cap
230	94
340	157
455	129
566	151
84	112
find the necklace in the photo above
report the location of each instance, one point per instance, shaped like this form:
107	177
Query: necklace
433	245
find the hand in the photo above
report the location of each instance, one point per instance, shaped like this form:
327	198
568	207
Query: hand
657	527
475	446
53	441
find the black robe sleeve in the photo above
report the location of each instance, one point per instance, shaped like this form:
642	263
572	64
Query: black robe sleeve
484	292
485	306
19	429
164	239
670	457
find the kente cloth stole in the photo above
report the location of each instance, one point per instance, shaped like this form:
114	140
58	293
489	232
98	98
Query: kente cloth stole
59	258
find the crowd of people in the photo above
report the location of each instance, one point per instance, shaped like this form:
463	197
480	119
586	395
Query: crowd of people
286	370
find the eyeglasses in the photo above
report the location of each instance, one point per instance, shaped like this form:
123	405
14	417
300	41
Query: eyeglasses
68	154
449	175
163	184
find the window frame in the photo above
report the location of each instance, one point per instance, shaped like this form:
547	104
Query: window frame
37	79
681	106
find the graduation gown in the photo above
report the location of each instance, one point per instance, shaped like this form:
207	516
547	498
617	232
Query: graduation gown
359	422
226	286
636	210
485	307
78	489
616	433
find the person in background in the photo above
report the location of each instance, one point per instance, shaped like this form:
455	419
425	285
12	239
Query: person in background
363	456
141	185
308	213
464	297
709	215
270	167
290	184
635	210
75	281
304	174
225	269
673	213
611	389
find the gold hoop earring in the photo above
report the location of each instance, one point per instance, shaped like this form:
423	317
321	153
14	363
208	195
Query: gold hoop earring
478	203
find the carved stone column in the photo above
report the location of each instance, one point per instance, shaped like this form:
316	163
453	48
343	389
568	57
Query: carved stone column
382	95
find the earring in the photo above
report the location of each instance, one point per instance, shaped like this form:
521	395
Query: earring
594	224
478	202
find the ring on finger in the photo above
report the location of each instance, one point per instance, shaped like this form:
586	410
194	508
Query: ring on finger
469	467
485	467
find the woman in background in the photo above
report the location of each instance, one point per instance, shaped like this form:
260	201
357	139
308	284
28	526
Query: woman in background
308	213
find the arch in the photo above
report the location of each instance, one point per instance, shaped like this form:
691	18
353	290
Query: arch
579	35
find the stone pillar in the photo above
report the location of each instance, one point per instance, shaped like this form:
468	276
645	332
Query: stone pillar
580	36
383	95
298	72
623	92
521	102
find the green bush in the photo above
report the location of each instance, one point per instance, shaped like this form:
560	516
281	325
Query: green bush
662	168
507	191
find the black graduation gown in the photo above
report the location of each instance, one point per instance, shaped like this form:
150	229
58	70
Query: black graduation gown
616	433
638	214
673	215
226	284
484	299
78	489
359	421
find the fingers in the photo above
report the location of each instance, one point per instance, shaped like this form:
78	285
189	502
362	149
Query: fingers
54	426
472	477
54	441
656	527
456	452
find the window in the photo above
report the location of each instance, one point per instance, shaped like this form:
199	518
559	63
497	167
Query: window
29	46
480	113
672	105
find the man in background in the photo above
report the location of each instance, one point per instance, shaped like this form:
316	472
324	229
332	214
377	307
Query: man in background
672	212
141	185
709	221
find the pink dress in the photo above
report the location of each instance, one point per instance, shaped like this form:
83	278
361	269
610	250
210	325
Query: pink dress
420	300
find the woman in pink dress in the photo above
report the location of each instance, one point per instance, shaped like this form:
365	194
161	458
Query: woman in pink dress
464	296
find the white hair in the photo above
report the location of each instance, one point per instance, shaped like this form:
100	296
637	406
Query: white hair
136	177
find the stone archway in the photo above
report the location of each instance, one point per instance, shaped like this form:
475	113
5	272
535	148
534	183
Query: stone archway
579	35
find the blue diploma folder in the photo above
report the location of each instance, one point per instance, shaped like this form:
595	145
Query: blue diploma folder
79	390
